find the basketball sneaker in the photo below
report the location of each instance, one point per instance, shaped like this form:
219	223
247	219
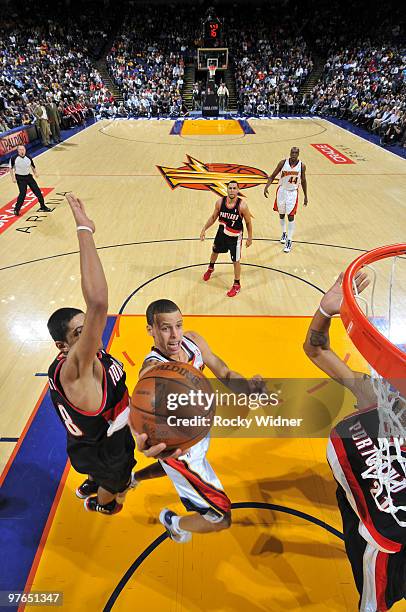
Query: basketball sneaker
87	488
181	537
283	237
207	274
288	246
235	289
93	505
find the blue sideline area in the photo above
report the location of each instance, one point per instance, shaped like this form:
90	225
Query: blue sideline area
29	489
354	129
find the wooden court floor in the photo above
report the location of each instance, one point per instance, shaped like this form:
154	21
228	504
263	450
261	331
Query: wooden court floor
147	233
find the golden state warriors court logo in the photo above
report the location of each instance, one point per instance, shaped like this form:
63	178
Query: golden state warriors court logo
212	177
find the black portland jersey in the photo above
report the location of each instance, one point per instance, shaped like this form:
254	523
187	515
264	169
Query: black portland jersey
230	218
112	415
352	455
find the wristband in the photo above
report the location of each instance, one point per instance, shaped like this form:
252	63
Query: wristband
324	313
84	227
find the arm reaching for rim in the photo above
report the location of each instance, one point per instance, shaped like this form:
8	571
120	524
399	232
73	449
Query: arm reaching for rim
317	342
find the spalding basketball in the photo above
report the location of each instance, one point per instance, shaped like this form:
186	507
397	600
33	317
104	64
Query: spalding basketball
173	403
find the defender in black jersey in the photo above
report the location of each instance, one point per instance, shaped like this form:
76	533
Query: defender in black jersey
230	211
375	542
87	385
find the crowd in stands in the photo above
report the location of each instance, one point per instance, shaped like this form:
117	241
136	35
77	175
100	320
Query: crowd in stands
147	59
271	59
44	60
365	84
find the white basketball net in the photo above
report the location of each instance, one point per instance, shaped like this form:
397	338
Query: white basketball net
388	464
212	71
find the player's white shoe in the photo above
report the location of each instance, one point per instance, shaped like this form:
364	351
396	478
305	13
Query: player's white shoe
284	237
165	518
288	246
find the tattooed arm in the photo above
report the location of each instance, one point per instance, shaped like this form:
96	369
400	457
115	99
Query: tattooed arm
317	348
317	343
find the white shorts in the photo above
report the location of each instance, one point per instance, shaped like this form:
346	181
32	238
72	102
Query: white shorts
286	201
196	482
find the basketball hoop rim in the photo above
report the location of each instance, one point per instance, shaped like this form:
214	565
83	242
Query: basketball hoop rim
386	358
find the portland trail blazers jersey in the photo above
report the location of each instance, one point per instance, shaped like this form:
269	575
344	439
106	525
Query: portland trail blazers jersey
230	218
112	414
191	349
291	176
352	455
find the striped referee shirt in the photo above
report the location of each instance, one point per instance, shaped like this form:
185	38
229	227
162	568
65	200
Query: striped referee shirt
22	165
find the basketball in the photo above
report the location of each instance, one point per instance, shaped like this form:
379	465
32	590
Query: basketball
172	403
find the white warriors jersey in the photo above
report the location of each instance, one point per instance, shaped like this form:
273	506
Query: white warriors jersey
191	349
198	450
290	176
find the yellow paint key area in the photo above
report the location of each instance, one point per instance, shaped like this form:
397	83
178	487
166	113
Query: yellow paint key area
222	127
268	560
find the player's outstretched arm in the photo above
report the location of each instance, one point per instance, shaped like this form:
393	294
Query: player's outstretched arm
304	185
317	343
272	176
81	356
233	380
211	220
248	221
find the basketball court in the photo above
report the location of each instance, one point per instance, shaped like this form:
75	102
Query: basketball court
150	187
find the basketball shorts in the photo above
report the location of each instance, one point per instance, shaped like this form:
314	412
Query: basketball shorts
380	577
197	484
109	462
286	201
224	244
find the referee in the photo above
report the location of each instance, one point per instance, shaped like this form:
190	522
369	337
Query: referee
21	165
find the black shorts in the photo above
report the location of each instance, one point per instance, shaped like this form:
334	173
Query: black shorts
109	462
380	577
224	244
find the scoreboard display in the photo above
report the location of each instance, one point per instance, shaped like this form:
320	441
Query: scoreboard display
212	30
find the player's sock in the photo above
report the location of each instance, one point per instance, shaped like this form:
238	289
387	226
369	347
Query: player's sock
283	224
175	525
236	282
291	229
134	482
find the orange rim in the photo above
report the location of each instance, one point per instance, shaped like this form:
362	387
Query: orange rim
386	358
